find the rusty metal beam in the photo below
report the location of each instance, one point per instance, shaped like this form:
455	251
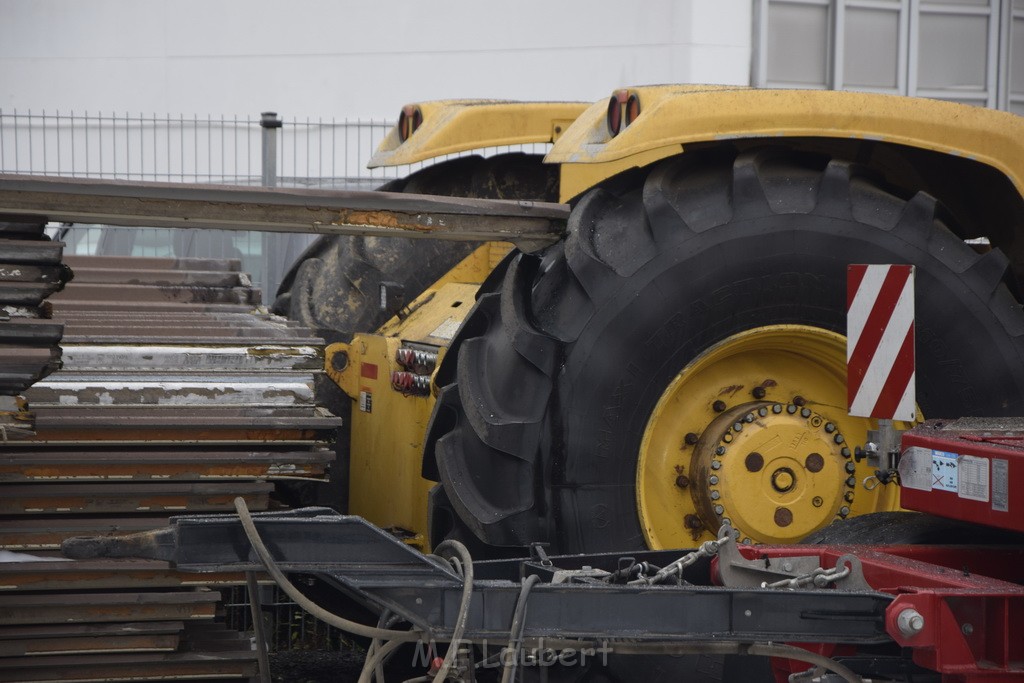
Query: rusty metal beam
173	205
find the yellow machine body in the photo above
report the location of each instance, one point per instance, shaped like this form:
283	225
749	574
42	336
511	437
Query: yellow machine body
672	117
388	423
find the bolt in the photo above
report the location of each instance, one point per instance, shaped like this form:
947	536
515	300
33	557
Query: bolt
850	468
746	539
829	427
799	401
758	392
783	480
787	566
777	408
817	501
783	516
737	427
848	496
713	480
851	482
754	462
838	438
910	622
749	418
691	438
715	495
719	509
727	438
844	511
692	522
814	462
845	452
763	412
726	520
716	464
682	481
805	412
791	409
718	406
967	629
720	450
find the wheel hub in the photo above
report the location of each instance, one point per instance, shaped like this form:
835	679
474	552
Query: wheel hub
773	470
755	430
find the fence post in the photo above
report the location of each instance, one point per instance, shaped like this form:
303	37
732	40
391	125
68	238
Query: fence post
270	123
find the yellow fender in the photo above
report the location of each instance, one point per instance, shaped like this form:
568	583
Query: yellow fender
672	117
452	126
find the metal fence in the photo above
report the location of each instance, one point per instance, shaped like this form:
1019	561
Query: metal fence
311	153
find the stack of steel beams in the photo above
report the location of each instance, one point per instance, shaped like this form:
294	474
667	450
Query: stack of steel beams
178	393
30	271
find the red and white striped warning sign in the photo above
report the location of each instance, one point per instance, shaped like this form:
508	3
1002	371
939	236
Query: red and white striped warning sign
880	341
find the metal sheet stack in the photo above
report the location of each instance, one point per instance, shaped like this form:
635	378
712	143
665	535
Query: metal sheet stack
30	271
178	393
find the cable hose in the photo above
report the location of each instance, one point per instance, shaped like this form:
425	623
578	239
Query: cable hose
301	600
515	633
467	594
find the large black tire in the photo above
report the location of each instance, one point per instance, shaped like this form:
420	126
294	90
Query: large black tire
333	287
549	385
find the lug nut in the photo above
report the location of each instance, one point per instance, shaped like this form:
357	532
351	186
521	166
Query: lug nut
719	509
850	468
763	412
713	480
838	438
682	481
720	450
777	408
829	427
845	452
691	438
805	412
749	418
910	622
718	406
759	392
848	496
737	427
715	495
799	401
716	464
844	511
851	482
727	438
791	409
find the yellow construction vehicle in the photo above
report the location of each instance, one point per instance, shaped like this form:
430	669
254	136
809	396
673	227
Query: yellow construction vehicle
678	361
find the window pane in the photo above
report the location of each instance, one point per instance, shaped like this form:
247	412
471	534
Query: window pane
798	44
978	3
1017	57
953	52
871	43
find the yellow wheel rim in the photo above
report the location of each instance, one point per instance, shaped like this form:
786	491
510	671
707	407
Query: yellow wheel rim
755	432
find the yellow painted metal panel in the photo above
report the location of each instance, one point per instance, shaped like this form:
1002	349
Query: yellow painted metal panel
453	126
672	117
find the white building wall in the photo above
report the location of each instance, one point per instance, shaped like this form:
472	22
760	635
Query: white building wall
354	59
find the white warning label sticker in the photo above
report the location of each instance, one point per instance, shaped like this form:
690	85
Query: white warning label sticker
944	471
916	468
365	401
973	478
447	329
1001	485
